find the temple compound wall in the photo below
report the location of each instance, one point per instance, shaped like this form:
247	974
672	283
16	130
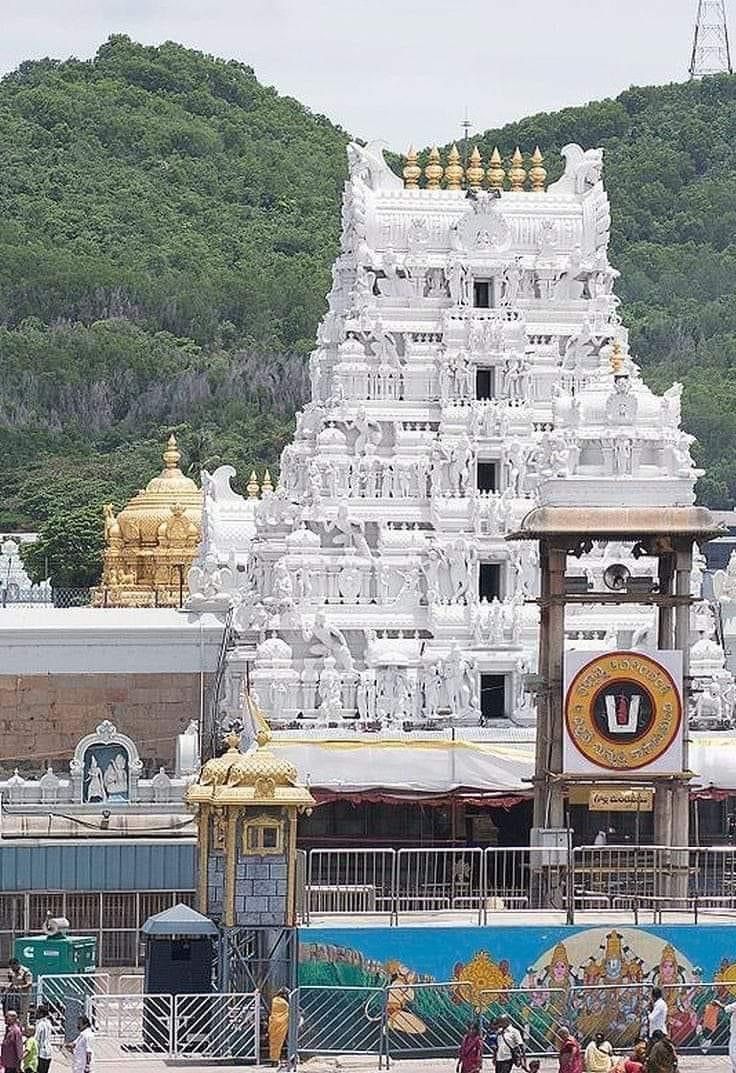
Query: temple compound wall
46	715
64	671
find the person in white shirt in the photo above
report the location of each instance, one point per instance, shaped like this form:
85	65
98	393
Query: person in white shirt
508	1044
730	1008
82	1047
657	1016
43	1038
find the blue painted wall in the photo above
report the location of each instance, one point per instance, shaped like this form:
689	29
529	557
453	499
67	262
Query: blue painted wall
436	951
592	978
94	866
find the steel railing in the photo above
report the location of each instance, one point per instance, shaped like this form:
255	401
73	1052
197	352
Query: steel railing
408	1018
395	883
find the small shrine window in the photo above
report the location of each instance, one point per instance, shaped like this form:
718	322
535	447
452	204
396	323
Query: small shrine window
482	293
492	696
484	384
486	476
489	581
263	835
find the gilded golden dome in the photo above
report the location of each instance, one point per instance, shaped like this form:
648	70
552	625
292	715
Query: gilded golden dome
241	778
167	511
235	768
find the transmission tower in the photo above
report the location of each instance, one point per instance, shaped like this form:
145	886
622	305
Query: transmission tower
711	52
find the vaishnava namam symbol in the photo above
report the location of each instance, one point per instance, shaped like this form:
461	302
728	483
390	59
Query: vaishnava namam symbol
622	713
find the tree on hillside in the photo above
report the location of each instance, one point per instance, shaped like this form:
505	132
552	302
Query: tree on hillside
68	551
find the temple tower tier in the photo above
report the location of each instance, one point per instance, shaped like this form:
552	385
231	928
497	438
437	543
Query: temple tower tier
468	360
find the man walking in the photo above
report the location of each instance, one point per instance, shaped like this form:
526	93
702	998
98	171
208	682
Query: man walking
82	1047
11	1050
509	1046
657	1016
43	1038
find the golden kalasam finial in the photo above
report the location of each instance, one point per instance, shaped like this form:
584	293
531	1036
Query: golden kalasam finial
172	455
474	171
454	172
266	483
537	173
252	487
517	171
433	170
496	173
617	358
412	171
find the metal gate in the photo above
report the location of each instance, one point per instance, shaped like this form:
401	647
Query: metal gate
221	1026
66	995
426	1019
215	1027
131	1027
340	1020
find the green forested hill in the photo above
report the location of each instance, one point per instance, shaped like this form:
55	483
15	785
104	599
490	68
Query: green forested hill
166	230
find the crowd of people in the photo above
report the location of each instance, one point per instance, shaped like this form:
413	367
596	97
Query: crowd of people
653	1053
26	1045
28	1048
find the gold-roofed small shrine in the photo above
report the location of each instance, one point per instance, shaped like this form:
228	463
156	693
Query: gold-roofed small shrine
151	544
254	777
247	804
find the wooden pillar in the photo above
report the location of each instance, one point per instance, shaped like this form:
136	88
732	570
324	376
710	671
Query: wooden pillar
680	791
556	656
665	618
542	748
662	815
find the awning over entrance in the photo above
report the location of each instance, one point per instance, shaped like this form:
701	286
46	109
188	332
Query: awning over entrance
414	767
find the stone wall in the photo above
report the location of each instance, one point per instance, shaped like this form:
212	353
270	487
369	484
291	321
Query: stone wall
260	890
42	717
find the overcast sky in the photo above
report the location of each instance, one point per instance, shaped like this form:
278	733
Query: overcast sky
401	70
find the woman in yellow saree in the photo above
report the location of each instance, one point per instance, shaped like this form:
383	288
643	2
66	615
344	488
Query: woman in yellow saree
278	1025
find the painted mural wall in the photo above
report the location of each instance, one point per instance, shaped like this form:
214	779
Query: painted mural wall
590	978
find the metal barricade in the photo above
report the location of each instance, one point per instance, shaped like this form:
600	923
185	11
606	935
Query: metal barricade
351	881
129	983
131	1027
536	1013
526	878
219	1027
424	1020
622	871
66	995
713	872
432	880
340	1020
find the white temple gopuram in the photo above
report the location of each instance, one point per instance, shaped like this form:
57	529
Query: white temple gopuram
471	352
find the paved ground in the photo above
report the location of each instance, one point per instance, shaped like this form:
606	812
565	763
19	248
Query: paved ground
361	1064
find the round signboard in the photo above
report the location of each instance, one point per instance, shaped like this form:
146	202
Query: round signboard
623	711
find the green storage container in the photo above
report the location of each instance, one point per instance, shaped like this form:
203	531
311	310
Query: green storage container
51	955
